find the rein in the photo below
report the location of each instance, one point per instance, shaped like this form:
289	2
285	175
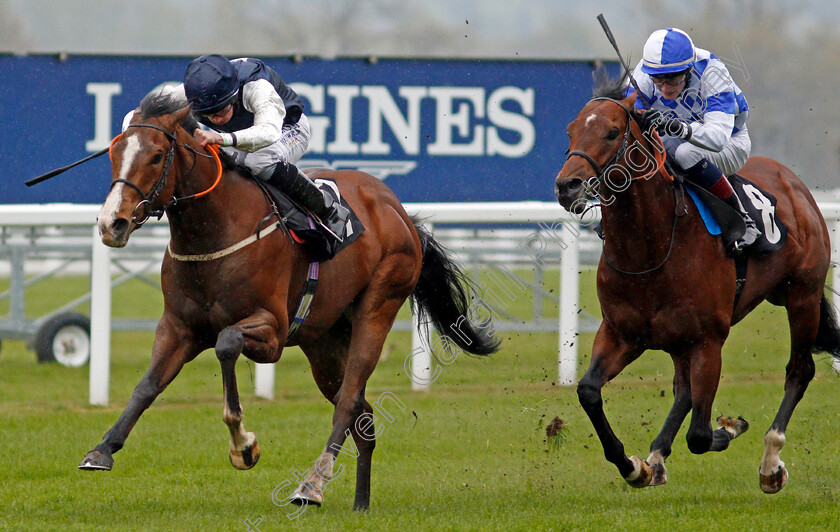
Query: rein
679	199
148	199
622	149
311	283
659	157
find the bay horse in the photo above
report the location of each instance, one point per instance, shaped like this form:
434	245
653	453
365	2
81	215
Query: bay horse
665	283
226	289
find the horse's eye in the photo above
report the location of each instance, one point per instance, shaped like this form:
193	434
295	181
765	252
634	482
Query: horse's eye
157	158
613	134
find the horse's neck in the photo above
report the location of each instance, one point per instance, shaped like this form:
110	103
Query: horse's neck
223	216
638	223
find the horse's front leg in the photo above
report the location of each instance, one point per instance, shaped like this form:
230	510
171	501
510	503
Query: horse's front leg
660	448
610	355
257	336
173	347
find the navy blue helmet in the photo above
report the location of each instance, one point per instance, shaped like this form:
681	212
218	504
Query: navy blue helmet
210	83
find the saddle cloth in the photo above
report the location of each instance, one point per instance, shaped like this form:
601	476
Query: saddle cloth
759	204
311	236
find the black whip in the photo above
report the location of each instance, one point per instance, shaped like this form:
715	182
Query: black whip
53	173
606	27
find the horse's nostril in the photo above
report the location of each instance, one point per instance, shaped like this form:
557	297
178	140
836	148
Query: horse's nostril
119	226
571	187
568	190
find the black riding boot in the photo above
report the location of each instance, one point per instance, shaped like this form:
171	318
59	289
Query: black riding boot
709	176
752	233
288	178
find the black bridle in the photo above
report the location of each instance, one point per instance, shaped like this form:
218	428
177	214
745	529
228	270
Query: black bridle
679	195
625	142
148	199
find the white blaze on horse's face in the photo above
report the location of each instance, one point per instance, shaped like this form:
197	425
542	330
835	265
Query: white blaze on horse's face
113	203
589	119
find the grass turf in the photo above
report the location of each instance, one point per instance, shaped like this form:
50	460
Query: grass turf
470	455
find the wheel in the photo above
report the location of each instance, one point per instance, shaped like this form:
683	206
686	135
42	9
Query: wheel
65	339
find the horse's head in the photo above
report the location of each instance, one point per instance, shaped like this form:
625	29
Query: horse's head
598	137
142	159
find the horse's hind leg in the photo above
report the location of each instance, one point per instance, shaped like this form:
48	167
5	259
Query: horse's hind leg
327	358
353	414
804	320
610	355
258	331
705	361
363	432
373	317
660	448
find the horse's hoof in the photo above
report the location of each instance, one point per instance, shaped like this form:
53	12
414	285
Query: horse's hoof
306	495
246	458
642	473
660	475
735	426
97	461
774	482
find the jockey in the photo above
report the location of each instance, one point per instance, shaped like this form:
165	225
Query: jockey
259	120
700	112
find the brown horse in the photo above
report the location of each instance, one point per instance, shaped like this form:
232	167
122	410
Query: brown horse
223	288
665	283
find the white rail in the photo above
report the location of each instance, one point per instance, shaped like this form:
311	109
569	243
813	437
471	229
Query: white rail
437	213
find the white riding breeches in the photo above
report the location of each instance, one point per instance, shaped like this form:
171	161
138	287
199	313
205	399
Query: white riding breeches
290	147
730	159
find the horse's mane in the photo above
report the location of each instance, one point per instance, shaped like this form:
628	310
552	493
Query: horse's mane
163	102
606	87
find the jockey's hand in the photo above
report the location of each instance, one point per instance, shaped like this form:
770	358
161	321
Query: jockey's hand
205	137
651	119
665	124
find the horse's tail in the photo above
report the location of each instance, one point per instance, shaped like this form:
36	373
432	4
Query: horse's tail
442	297
828	334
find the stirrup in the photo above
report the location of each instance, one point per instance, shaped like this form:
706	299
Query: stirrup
335	222
751	235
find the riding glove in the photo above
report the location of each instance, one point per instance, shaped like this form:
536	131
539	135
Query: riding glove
665	124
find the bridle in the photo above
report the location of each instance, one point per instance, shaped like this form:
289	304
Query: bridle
147	201
599	172
660	160
622	148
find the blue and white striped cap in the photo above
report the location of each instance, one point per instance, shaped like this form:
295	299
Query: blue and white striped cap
667	51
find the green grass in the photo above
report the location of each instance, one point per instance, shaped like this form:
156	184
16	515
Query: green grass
469	455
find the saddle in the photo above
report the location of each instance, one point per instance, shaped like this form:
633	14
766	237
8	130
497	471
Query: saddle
721	219
299	225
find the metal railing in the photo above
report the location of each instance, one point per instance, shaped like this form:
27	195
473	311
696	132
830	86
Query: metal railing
536	235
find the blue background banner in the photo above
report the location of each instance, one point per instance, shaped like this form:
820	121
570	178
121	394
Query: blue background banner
434	130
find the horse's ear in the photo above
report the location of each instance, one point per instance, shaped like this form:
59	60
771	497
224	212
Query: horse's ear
179	115
630	100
